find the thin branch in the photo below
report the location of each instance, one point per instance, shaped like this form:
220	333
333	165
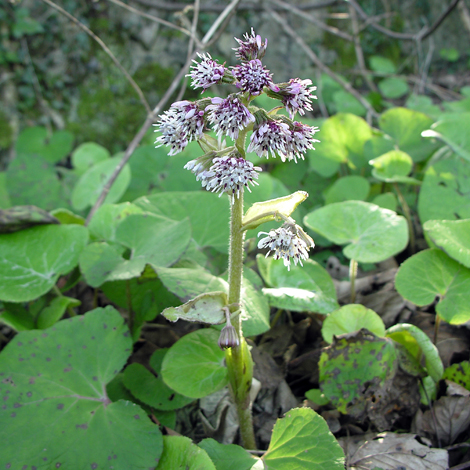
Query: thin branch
156	19
314	58
421	35
151	117
105	48
306	16
173	6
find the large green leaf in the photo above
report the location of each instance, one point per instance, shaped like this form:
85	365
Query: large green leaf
348	188
307	288
91	184
452	236
208	214
56	412
445	192
404	126
33	259
370	233
342	141
430	274
351	318
227	456
195	365
302	441
180	452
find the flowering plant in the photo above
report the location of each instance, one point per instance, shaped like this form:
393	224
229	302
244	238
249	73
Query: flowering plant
225	169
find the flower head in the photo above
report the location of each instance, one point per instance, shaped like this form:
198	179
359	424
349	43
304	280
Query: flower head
288	241
252	76
228	337
206	73
228	116
229	174
301	139
251	48
179	125
296	96
270	136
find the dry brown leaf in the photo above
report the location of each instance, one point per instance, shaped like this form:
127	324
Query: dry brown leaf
390	451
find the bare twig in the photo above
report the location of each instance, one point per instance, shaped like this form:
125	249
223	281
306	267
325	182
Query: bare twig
255	6
423	34
464	15
156	19
314	58
105	48
151	117
296	10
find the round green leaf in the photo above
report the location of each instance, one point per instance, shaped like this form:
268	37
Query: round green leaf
292	446
445	192
227	456
430	274
348	188
381	64
452	236
33	259
354	366
393	87
150	389
370	233
194	365
179	452
351	318
91	184
307	288
55	380
386	201
88	154
345	102
404	126
418	344
393	167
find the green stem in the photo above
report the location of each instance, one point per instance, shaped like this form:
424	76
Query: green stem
129	307
437	324
238	359
70	310
352	278
407	213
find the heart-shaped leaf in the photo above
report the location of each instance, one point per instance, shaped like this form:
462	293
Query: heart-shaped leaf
348	188
370	233
393	87
33	259
452	236
87	155
307	288
194	365
393	167
292	445
55	380
349	319
430	274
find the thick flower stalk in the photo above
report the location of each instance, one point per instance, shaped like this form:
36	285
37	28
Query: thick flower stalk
226	170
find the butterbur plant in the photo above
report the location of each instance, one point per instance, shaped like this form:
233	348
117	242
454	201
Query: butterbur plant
225	170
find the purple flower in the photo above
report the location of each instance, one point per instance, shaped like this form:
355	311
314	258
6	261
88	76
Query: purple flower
206	73
301	139
288	241
228	337
228	116
181	124
252	77
227	174
297	96
270	136
251	48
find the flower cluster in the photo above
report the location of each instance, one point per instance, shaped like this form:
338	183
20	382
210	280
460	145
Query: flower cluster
296	95
251	48
288	241
206	73
252	77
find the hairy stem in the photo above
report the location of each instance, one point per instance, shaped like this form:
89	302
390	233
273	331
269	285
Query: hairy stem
239	362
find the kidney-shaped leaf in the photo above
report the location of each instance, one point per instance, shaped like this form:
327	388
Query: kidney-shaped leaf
430	274
292	445
452	236
56	412
32	260
371	234
194	365
393	167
